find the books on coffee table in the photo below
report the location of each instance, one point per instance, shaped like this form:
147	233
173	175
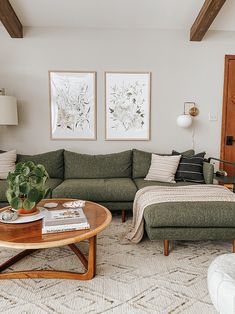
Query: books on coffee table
62	220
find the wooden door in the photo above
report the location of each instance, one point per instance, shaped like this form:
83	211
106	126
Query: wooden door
228	116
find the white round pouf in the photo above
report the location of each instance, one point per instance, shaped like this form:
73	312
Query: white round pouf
221	283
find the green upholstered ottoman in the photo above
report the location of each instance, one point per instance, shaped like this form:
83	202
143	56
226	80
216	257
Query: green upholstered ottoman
190	221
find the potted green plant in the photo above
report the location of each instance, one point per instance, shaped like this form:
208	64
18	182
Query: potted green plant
26	187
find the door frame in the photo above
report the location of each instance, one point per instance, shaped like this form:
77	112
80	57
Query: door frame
224	110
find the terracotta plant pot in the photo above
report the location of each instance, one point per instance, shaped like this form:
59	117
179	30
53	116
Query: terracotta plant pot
22	211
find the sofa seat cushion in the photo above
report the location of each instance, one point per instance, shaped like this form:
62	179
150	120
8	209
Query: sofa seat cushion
190	214
141	183
97	190
51	183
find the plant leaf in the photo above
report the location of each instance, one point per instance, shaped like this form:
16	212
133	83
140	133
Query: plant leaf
24	188
33	195
27	204
16	203
9	195
25	170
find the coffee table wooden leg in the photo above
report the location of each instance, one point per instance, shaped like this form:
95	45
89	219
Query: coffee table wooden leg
91	270
15	259
79	254
89	274
89	264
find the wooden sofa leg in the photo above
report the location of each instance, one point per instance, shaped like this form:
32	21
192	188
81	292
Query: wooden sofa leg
166	247
123	216
233	246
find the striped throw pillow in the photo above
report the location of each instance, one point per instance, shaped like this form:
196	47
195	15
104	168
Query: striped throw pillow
190	169
163	168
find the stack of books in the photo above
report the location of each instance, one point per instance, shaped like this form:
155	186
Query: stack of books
61	220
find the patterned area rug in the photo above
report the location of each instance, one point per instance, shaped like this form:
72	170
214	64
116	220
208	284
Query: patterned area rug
130	279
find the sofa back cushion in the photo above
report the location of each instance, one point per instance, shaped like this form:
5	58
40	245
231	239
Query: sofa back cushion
142	161
52	161
83	166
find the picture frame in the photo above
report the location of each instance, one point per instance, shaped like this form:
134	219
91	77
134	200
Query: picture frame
73	105
127	106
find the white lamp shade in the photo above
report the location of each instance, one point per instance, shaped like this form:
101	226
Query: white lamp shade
8	110
184	121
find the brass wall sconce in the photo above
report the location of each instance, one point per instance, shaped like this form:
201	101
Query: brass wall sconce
190	110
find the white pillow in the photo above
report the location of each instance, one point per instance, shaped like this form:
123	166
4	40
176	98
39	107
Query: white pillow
7	163
163	168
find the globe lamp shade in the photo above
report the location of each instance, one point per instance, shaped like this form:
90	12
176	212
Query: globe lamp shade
184	121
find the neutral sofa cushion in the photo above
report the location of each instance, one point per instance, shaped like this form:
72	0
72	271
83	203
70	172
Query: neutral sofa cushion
7	163
83	166
50	183
97	190
163	168
53	162
142	161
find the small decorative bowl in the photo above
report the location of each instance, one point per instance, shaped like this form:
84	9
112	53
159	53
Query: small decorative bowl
9	215
74	204
51	205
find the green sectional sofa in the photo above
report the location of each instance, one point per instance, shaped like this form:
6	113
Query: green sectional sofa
111	179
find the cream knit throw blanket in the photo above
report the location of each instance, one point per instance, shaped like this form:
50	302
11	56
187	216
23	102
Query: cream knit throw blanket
162	194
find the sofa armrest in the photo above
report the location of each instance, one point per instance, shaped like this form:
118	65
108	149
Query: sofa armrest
208	172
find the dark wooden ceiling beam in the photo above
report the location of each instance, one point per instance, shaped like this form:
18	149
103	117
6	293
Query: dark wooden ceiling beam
206	16
10	20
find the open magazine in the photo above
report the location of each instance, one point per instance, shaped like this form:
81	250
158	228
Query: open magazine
61	220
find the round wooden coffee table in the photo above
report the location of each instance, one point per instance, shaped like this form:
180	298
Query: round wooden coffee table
29	237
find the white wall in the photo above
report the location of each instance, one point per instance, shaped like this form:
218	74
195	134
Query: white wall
181	71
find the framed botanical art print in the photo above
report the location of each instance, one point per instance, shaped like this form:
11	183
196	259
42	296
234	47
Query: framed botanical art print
73	105
127	105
